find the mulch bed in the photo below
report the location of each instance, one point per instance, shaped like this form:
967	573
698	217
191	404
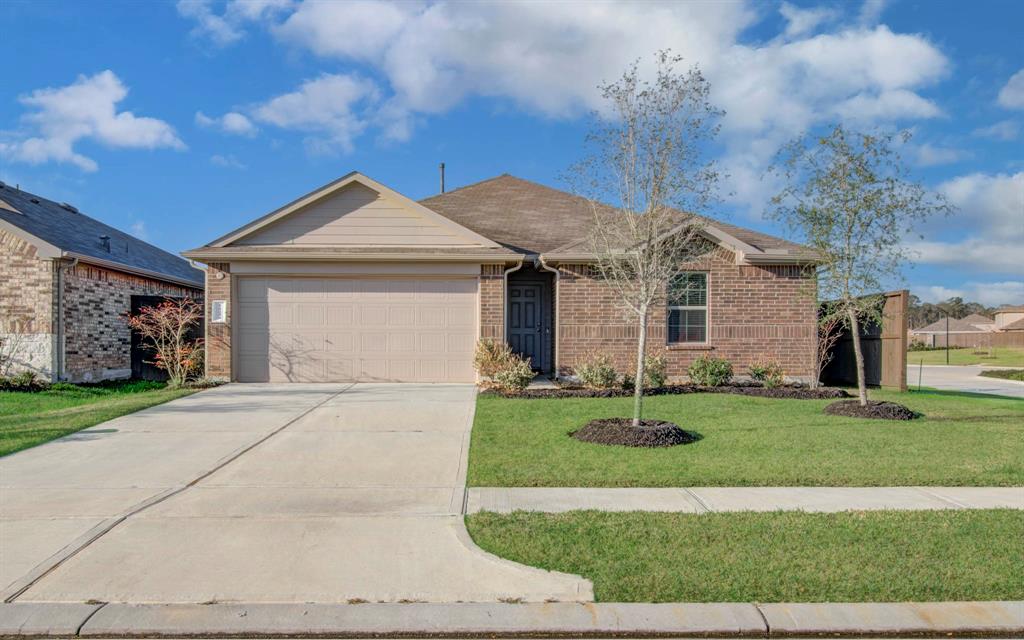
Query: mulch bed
874	409
620	431
748	389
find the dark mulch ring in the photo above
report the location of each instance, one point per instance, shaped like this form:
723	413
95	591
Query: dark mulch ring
791	392
620	431
874	409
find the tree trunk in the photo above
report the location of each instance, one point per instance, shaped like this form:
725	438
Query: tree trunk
862	388
638	386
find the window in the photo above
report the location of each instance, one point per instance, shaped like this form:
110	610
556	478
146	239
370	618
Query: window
688	308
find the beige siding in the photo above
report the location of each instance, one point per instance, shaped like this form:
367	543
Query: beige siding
357	216
395	329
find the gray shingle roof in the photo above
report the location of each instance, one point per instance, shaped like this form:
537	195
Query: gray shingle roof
970	324
77	233
534	218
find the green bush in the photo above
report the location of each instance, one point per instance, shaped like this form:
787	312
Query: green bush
24	381
710	372
655	370
490	357
514	375
597	371
767	371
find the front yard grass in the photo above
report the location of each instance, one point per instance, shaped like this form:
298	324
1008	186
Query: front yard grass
876	556
963	439
28	419
998	356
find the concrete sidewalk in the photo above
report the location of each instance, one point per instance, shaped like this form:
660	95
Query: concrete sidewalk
961	378
555	619
720	499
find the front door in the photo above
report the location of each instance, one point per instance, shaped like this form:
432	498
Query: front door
526	322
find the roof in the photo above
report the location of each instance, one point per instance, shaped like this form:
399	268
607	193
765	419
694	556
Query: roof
58	230
537	219
292	252
960	325
1019	309
1016	325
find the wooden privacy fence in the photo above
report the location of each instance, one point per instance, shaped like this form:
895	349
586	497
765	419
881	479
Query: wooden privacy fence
979	339
884	347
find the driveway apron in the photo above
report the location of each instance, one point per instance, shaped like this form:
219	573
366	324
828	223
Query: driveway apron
359	499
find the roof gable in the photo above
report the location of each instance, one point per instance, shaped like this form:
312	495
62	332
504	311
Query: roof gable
354	211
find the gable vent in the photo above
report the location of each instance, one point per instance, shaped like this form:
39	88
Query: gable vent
69	207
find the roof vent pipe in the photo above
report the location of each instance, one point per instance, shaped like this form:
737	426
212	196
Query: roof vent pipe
105	243
442	177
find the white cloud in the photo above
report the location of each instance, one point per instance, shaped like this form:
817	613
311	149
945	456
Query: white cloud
227	161
989	226
1011	96
329	107
229	27
231	122
871	11
1005	130
929	155
138	229
990	294
800	21
84	110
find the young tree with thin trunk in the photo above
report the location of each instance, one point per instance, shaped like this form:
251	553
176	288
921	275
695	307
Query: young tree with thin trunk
645	169
167	329
849	196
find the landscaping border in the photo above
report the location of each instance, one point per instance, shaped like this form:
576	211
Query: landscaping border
788	392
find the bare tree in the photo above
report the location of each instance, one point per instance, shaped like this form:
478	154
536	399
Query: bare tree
168	327
829	325
849	196
645	169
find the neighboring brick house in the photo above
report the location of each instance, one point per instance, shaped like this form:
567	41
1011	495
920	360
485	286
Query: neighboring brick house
354	281
68	280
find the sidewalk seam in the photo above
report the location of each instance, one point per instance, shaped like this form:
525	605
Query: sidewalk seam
78	631
955	503
149	502
703	505
764	618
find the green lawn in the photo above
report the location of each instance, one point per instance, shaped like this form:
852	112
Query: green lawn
999	356
28	419
771	557
1005	374
964	439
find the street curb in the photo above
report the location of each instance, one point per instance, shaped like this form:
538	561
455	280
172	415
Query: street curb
466	620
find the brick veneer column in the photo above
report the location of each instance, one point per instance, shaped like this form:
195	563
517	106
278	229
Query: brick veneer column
218	335
492	301
752	311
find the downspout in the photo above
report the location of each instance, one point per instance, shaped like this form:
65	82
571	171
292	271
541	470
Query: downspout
61	349
504	300
539	262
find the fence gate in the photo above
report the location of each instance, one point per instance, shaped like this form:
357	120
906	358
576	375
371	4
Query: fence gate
884	347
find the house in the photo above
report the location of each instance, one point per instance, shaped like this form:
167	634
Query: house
68	280
1009	318
934	334
354	281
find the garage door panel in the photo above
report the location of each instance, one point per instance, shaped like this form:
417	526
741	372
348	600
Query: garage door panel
349	329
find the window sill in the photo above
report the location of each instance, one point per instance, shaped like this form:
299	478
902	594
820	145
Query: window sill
689	346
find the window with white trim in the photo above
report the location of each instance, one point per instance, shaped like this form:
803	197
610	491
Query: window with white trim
688	308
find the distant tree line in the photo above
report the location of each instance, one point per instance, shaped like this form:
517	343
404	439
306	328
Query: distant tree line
924	313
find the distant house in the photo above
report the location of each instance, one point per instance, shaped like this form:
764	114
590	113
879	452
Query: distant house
67	281
974	324
1009	318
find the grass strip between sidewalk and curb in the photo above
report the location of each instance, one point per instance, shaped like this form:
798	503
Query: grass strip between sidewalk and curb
962	439
881	556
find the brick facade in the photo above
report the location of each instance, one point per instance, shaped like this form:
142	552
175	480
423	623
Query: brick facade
752	311
218	335
492	301
27	290
97	341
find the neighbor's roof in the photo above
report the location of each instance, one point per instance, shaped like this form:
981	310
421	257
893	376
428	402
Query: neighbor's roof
60	230
1016	325
1009	310
969	324
533	218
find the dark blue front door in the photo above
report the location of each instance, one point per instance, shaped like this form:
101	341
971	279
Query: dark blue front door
526	323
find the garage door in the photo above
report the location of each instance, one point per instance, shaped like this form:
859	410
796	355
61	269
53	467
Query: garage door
355	329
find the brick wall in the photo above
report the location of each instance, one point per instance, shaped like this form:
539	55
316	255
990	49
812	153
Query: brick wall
218	335
752	311
97	341
492	301
27	285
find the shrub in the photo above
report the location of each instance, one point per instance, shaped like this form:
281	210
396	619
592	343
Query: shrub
596	371
490	356
514	375
710	372
767	371
655	370
24	381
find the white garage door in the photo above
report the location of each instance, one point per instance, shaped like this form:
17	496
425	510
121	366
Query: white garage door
292	329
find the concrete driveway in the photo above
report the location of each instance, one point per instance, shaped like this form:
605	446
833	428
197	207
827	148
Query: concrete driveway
260	493
962	378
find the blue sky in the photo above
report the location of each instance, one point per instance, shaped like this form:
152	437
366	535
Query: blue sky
180	121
